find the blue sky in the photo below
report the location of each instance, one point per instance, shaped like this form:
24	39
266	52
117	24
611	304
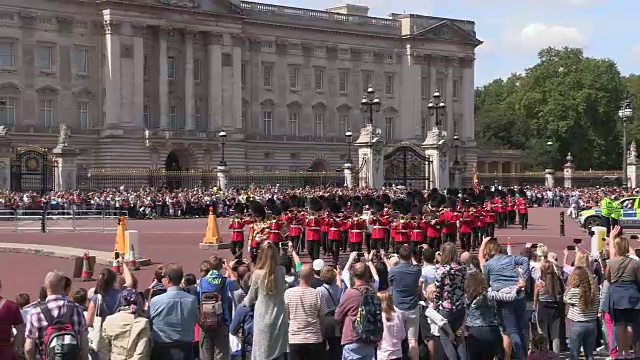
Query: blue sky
514	30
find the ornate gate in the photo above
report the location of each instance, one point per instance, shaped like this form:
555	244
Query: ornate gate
32	170
405	165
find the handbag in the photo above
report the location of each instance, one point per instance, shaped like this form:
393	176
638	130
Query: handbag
97	343
330	327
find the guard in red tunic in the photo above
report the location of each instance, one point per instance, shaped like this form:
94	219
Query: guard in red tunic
236	225
335	226
356	227
449	219
478	230
466	221
379	226
259	229
418	231
313	226
489	219
296	219
523	213
403	227
276	224
511	208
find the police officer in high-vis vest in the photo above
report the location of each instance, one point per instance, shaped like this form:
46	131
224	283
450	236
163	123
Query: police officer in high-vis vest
616	211
605	208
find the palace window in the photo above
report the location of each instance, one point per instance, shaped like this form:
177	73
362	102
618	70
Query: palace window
145	66
46	113
7	111
171	65
424	87
197	70
389	82
344	81
388	127
82	61
267	122
267	74
319	79
293	123
173	117
6	54
45	58
294	77
145	116
83	115
344	124
318	125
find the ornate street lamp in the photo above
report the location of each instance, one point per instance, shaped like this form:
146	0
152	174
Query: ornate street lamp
437	107
456	146
349	136
549	146
370	104
223	137
429	170
625	113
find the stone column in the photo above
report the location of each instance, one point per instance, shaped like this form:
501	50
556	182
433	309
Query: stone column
468	86
457	171
163	82
500	166
433	75
486	167
214	54
348	175
112	74
370	147
448	97
569	168
410	121
222	172
237	79
632	170
548	178
138	75
189	98
5	161
436	148
66	172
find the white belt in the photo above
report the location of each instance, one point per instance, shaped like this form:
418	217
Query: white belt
334	229
379	227
313	228
296	226
274	231
416	230
238	230
402	230
357	230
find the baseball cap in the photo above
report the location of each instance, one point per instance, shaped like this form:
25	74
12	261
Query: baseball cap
318	264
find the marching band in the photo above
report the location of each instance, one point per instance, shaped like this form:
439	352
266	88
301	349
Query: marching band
333	224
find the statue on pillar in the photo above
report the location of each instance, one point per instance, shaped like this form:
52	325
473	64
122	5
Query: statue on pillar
633	152
3	131
64	135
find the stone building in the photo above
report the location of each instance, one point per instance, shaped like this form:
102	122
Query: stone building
284	83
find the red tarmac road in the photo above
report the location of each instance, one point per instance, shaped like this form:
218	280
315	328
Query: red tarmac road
177	241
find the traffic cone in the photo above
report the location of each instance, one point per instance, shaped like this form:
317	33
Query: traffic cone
116	267
132	264
121	244
211	236
87	273
509	247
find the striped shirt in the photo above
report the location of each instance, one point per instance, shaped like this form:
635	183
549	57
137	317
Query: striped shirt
305	307
571	297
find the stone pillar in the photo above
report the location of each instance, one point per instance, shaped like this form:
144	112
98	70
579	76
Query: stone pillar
348	175
468	98
112	73
138	75
370	147
486	167
632	170
433	75
548	178
163	82
222	172
189	82
237	80
214	54
5	160
66	172
448	98
410	97
436	148
569	168
457	170
512	166
500	166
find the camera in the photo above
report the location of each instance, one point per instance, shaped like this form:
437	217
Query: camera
571	247
577	241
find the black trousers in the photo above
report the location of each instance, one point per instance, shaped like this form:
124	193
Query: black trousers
451	237
236	249
524	220
490	229
353	246
172	351
313	248
433	242
325	243
295	240
465	241
307	351
335	250
377	244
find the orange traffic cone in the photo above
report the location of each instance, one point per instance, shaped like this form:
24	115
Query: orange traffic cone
87	273
132	263
116	267
509	247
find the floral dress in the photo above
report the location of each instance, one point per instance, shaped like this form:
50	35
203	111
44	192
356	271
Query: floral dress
450	286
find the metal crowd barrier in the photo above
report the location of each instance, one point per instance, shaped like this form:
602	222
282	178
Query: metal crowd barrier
60	220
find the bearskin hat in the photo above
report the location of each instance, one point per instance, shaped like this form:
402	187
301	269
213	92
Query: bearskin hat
285	205
315	204
451	203
276	210
386	199
405	208
396	204
416	209
356	198
294	200
335	207
356	207
378	206
239	208
258	210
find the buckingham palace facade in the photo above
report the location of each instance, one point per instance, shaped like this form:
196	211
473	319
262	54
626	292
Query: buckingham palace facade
144	83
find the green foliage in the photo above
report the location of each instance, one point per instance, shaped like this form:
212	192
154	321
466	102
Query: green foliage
567	98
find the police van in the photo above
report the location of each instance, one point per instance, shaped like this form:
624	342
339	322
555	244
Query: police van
629	219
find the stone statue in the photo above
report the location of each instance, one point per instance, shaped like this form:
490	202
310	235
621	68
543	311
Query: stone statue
181	3
633	152
64	135
3	131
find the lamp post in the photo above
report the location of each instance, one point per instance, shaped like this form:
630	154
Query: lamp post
370	104
549	146
456	147
429	170
625	114
349	136
223	137
436	108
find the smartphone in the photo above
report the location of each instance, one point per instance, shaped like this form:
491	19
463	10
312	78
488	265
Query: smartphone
534	246
116	255
571	247
638	252
577	241
360	254
284	245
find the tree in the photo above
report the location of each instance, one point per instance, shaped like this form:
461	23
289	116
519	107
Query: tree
567	98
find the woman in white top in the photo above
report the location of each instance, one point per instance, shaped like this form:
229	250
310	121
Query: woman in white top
390	347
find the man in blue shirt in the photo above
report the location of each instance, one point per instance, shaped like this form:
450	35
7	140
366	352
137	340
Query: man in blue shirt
215	344
173	318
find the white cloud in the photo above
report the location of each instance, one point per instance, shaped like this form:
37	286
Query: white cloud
583	3
536	36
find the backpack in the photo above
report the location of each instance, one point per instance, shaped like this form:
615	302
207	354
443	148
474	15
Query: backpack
368	324
210	317
60	341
